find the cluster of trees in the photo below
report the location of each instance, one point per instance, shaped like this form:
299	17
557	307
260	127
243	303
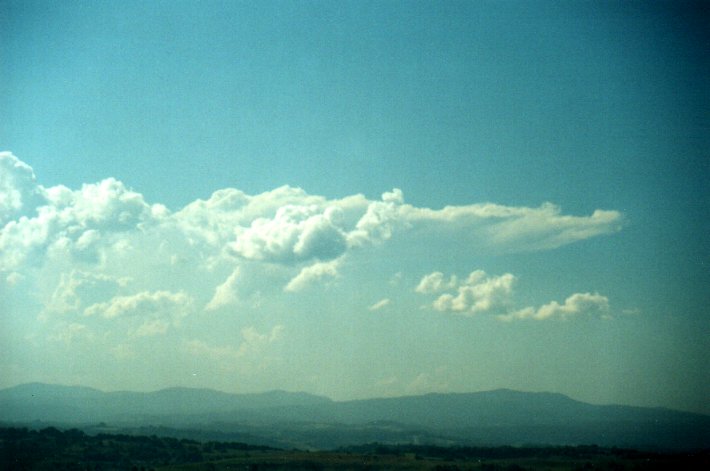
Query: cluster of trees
51	448
509	458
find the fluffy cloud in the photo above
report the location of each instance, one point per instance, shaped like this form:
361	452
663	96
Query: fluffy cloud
107	205
149	313
435	283
577	304
63	220
284	226
145	303
19	192
481	293
312	274
476	294
382	219
295	233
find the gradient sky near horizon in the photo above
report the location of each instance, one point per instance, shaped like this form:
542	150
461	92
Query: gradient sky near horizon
357	199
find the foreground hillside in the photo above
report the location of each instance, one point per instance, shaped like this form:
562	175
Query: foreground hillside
50	448
298	420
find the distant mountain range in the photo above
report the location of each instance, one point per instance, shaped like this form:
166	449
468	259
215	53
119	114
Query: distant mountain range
286	419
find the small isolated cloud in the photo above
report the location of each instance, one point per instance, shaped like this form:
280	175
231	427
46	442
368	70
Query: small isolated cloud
313	274
382	303
425	383
476	294
575	305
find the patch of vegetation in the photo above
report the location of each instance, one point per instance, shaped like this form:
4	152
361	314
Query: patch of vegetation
53	449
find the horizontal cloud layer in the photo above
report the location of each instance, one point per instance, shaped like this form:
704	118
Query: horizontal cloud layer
283	226
100	262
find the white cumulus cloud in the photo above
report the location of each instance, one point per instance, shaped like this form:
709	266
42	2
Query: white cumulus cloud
295	233
19	192
284	226
483	293
312	274
159	302
435	283
148	313
575	305
77	222
476	294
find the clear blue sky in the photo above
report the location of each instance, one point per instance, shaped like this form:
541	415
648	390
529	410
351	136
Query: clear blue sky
134	284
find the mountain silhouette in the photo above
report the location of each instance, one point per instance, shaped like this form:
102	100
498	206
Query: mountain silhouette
499	417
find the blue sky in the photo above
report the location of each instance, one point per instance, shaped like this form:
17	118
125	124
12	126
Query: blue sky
556	152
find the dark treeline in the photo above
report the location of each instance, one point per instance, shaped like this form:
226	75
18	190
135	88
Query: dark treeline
51	448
